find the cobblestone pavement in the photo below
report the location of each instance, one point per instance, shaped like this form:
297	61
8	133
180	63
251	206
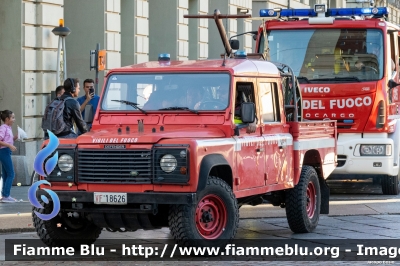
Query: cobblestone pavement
342	227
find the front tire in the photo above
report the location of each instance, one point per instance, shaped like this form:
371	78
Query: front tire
390	185
214	218
63	230
303	202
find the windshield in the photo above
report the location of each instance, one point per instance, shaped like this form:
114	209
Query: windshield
328	54
150	92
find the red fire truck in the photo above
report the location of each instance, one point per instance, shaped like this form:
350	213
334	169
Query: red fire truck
346	60
184	144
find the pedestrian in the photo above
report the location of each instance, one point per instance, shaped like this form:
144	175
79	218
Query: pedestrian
89	98
6	148
59	91
71	112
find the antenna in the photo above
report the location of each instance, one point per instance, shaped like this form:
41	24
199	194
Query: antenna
217	16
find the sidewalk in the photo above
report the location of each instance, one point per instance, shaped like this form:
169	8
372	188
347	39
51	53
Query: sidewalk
16	217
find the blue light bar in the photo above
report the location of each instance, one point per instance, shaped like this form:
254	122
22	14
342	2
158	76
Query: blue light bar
164	57
348	121
288	13
241	54
371	11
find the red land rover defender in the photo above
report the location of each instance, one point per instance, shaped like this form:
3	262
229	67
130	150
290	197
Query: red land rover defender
183	145
169	148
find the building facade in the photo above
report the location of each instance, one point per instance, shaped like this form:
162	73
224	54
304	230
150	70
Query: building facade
131	31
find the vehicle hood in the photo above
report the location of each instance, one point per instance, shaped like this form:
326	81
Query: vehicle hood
119	135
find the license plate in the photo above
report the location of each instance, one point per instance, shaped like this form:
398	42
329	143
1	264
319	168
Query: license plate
110	198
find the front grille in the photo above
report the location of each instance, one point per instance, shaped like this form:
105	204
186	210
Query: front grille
341	160
114	166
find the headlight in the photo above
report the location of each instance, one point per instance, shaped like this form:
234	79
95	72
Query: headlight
376	150
168	163
65	162
182	154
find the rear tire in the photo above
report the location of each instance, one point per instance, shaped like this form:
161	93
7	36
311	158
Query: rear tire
214	218
390	185
303	202
63	230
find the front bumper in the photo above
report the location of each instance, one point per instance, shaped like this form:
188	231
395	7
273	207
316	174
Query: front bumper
132	198
351	163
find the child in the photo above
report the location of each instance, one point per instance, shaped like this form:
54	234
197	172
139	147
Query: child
6	147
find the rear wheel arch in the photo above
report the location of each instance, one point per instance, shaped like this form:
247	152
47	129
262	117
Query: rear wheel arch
214	165
313	158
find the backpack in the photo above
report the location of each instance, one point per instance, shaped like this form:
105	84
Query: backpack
53	118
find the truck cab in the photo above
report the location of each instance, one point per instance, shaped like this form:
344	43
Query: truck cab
347	62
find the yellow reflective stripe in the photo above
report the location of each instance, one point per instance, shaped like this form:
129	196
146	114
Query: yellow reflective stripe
237	120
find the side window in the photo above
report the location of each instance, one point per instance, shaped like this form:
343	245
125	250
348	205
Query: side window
391	55
269	102
244	93
397	59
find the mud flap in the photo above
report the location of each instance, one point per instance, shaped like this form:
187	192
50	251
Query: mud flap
325	192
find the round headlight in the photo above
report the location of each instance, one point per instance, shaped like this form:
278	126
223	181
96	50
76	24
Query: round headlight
182	154
65	162
366	149
378	150
168	163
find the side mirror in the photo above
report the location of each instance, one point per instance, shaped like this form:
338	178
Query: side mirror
248	111
392	84
255	36
89	115
234	44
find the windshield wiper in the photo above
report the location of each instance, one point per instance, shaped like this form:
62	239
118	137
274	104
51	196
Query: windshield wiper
180	108
304	78
134	105
338	79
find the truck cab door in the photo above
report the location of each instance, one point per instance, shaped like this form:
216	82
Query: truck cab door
250	157
275	133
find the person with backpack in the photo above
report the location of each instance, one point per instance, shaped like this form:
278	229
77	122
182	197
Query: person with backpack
6	148
62	112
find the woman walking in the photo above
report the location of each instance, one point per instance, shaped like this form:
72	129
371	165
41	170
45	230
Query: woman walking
6	148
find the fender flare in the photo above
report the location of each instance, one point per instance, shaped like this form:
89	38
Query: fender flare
207	163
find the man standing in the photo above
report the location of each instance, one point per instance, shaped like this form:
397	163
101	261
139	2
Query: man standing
71	112
88	98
